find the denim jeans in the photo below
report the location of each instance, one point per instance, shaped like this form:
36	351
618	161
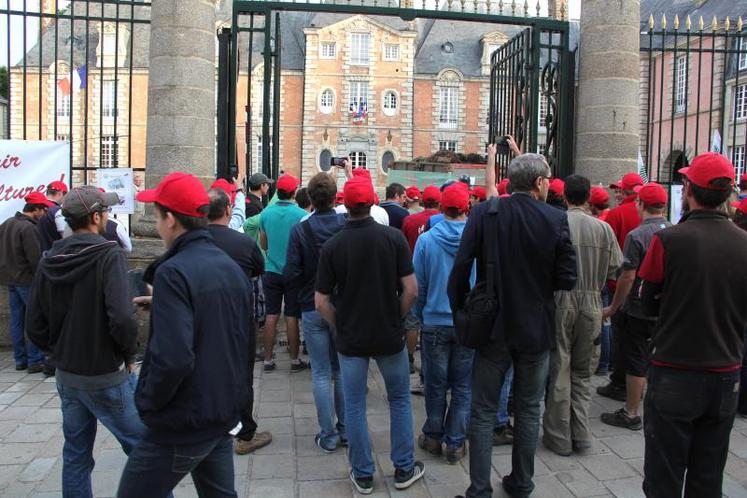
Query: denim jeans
689	417
449	368
395	369
115	408
530	376
606	336
153	470
502	419
325	378
24	352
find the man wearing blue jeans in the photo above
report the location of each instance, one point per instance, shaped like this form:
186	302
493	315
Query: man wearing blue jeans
20	250
305	244
366	269
448	364
533	257
81	315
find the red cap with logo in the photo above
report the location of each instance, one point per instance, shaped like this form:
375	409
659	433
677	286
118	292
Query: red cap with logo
226	187
503	185
708	167
628	182
741	206
288	183
358	191
179	192
455	197
59	186
431	193
652	194
480	193
413	193
38	198
557	186
599	196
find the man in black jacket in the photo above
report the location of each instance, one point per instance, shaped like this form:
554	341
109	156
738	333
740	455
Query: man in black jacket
534	258
193	383
245	252
695	279
80	315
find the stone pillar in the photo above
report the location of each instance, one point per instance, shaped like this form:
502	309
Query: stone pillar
607	116
181	94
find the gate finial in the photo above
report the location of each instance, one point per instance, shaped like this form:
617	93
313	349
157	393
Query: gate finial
562	10
727	24
676	22
650	21
688	23
663	21
701	24
714	24
539	11
526	8
739	24
513	7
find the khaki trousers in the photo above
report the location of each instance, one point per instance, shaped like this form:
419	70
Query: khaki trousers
578	325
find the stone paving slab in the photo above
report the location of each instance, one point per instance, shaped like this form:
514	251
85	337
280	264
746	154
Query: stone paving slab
293	467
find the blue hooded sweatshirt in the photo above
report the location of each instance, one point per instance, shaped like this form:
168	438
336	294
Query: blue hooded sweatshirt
433	259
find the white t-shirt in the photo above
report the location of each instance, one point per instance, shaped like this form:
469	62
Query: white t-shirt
378	213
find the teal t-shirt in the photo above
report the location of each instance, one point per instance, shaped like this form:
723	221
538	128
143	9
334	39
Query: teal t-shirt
276	221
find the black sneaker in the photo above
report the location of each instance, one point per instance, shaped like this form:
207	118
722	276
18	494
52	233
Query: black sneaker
612	391
404	479
299	367
503	435
318	442
364	485
35	369
620	418
270	367
21	366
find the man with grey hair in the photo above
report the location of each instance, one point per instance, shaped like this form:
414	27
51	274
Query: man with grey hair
534	257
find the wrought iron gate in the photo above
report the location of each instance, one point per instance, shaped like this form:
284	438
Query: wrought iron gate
533	69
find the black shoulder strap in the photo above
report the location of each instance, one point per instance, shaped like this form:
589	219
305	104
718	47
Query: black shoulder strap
306	226
490	238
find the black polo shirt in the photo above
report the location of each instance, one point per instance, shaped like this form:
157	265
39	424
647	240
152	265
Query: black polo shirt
254	205
361	267
240	248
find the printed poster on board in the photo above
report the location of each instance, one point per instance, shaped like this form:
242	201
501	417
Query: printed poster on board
119	181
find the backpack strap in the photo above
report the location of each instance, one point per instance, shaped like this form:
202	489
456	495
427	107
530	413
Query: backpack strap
490	239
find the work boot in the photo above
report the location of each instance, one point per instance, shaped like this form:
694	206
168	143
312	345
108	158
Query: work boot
612	391
621	418
503	435
455	455
432	446
259	440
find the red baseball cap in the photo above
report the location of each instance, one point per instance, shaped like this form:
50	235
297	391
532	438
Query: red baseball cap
362	172
288	183
226	187
503	185
179	192
455	197
358	191
628	182
38	198
652	194
557	186
59	186
599	196
480	193
413	193
708	167
432	193
741	206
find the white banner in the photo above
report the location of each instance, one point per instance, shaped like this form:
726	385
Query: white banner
119	181
27	166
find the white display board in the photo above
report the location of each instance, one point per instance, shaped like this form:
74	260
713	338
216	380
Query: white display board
29	166
119	181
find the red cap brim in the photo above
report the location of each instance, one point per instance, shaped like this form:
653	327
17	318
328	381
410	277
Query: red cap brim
147	196
637	188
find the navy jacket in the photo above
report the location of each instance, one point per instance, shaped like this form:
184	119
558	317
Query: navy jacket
535	257
302	260
194	380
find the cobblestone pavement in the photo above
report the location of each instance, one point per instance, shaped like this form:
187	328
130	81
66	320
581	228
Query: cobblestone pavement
292	466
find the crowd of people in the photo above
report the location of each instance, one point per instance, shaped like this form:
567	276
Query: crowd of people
576	289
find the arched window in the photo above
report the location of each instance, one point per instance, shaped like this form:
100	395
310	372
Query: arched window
327	101
390	103
386	160
324	160
358	159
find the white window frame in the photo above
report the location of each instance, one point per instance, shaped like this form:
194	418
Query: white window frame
360	49
327	50
108	146
680	89
742	55
448	107
390	52
108	107
358	159
737	156
390	102
740	102
63	105
357	93
327	109
450	145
